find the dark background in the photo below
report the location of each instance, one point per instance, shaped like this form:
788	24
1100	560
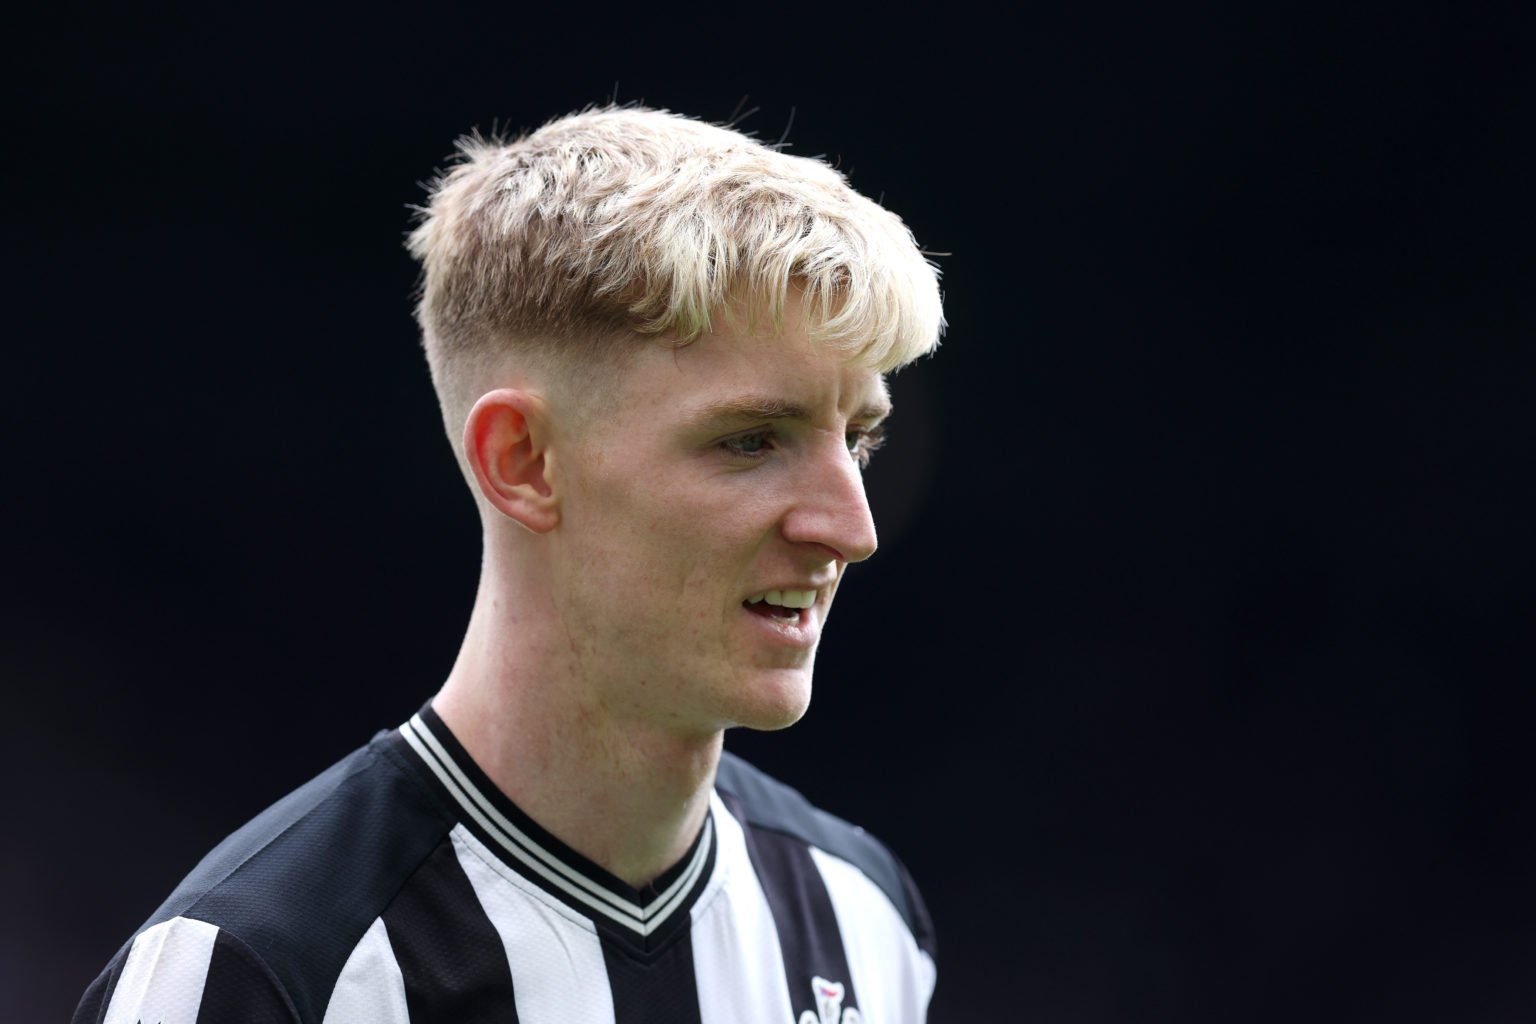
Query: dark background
1193	679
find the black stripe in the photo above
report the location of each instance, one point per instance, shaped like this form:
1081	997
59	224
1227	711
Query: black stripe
240	987
93	1005
768	803
661	991
802	910
451	956
303	881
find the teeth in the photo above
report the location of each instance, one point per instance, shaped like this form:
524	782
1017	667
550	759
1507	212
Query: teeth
786	598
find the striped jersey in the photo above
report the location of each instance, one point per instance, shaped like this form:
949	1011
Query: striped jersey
402	886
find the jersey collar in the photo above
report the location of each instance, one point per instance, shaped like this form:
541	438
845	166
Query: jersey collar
645	916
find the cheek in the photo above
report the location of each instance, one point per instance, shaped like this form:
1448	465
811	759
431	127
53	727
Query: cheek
684	545
639	568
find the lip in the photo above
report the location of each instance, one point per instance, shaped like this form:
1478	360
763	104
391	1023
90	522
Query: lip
802	631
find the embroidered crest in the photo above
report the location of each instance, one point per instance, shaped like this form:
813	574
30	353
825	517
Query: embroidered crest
829	1004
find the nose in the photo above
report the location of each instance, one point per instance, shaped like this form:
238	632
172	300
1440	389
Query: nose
831	509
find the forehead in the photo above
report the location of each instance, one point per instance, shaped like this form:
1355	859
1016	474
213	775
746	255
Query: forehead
782	367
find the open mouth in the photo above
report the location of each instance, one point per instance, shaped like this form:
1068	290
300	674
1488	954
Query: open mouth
782	605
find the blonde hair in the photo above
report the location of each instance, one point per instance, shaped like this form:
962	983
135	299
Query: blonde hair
560	246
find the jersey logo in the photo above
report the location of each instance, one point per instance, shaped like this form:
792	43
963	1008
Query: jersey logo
829	1004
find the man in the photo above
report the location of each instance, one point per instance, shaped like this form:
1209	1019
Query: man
659	348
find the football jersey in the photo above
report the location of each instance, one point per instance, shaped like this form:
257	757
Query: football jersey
402	886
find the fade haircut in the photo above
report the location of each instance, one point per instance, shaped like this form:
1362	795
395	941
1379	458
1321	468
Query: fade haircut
562	248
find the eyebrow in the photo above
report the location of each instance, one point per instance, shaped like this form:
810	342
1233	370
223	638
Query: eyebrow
753	408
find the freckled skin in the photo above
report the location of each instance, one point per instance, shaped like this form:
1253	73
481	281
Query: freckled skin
664	533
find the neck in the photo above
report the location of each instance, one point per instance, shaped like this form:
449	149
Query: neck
626	795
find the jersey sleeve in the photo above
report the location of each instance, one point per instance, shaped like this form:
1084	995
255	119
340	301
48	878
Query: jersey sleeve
920	922
185	971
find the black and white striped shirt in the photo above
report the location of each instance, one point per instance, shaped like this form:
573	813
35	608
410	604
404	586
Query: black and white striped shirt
402	886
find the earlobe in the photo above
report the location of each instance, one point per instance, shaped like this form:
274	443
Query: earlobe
505	443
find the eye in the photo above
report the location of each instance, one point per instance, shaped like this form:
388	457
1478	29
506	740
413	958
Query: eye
864	442
749	446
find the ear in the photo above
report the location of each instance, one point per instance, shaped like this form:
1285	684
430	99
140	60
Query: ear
505	441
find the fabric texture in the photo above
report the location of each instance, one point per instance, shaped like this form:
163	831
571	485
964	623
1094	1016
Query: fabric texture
401	887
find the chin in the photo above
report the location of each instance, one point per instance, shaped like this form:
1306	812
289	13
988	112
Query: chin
777	702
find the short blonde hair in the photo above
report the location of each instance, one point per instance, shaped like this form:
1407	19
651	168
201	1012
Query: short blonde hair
615	222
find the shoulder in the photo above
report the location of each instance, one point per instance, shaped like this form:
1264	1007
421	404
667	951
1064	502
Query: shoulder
764	804
288	896
185	969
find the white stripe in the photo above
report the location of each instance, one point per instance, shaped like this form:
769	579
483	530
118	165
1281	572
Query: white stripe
558	972
892	977
164	975
370	987
546	865
737	964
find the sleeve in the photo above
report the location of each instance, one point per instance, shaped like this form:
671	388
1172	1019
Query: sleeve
185	971
921	922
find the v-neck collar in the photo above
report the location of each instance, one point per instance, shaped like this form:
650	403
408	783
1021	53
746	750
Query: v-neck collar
644	916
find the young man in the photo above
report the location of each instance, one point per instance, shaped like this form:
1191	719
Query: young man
659	348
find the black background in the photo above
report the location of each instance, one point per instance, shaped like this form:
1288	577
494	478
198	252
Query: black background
1193	679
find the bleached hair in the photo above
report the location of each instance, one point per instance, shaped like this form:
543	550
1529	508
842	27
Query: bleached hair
566	243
